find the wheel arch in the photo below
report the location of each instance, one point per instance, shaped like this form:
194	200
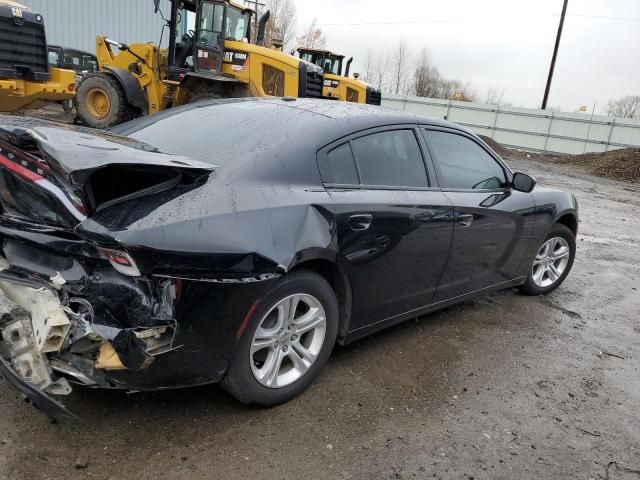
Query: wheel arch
340	284
131	87
569	219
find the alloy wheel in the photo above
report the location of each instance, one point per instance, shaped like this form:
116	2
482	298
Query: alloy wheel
288	340
551	261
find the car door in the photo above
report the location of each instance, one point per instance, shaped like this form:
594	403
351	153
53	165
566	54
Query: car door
210	37
394	229
493	223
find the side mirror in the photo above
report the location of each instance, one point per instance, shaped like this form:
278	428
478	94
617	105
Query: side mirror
523	182
156	6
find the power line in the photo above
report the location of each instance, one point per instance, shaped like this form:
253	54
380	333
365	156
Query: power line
356	24
602	17
421	22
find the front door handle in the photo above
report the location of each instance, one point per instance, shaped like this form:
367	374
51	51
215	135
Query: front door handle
360	222
465	220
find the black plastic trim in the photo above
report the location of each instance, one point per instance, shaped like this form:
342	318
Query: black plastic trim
38	398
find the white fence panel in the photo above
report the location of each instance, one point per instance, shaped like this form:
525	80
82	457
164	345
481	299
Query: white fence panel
528	128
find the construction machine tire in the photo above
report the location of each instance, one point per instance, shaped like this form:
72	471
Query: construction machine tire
101	102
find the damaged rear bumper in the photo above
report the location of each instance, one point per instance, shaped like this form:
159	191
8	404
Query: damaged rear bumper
46	347
91	326
37	397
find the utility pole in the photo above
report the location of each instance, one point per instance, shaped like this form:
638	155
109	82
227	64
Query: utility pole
555	55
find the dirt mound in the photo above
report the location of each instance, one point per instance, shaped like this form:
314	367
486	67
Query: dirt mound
622	164
496	147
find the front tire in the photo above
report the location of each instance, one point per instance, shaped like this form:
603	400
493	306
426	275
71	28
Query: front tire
552	262
287	342
101	102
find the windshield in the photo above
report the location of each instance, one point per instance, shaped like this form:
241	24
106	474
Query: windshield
238	22
329	63
315	58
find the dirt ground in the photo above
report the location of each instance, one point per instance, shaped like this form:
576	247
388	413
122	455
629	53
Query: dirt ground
506	386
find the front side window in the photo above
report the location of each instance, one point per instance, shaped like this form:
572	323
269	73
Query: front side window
211	20
89	63
72	59
315	58
464	164
390	158
54	55
307	57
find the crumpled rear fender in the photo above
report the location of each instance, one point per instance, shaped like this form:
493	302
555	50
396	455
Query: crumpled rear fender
184	237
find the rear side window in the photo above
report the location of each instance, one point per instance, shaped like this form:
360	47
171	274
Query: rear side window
340	167
464	164
391	158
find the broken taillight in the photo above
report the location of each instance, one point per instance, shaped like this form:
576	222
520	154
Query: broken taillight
121	261
36	170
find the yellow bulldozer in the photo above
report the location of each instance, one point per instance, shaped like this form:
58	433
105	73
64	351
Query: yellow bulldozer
26	81
337	86
208	56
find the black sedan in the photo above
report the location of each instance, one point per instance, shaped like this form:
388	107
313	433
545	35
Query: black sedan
238	241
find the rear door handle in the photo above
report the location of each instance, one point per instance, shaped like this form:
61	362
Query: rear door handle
360	222
465	220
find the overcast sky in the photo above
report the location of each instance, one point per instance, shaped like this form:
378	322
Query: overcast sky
499	43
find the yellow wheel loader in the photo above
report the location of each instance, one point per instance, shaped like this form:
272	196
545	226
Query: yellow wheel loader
209	56
336	86
26	81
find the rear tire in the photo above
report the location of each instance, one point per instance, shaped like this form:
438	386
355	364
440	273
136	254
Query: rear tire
552	263
101	102
275	337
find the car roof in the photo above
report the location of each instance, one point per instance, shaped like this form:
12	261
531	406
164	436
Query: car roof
311	116
355	115
319	50
270	128
316	109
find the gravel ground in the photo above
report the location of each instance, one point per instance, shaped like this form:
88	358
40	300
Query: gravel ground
506	386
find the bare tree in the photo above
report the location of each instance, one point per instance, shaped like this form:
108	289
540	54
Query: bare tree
313	36
395	74
495	96
369	66
281	24
625	107
400	63
380	71
427	81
